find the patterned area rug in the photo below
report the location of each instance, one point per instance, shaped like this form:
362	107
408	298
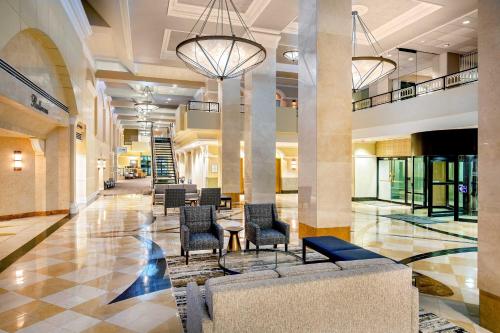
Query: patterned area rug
381	203
206	265
413	219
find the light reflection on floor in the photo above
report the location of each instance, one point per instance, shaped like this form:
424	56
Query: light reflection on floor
70	278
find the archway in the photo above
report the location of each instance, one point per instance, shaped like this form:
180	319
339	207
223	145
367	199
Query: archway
36	102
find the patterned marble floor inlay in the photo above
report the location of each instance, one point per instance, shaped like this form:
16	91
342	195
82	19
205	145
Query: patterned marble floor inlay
105	269
152	277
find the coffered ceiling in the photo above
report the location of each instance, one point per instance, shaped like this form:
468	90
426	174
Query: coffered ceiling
140	36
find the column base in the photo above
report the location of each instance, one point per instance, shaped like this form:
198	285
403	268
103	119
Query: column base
339	232
489	311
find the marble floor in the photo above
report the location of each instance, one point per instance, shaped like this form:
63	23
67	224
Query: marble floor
85	276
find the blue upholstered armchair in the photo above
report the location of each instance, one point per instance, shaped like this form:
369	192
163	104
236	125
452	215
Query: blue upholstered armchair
262	226
199	230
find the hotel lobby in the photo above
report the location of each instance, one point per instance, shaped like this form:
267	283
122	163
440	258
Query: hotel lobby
249	166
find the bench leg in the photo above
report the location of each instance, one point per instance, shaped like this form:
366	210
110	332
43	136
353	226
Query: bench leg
286	247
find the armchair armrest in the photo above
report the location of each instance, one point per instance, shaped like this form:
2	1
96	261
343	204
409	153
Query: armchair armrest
252	232
218	231
198	319
282	227
185	237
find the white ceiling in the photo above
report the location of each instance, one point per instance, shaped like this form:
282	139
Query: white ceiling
141	35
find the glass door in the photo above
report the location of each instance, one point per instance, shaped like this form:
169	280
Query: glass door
398	180
441	186
467	188
392	179
384	180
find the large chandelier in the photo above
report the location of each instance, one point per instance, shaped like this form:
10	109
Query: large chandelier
145	108
367	69
220	54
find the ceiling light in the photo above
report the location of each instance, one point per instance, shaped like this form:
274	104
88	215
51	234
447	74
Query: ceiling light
389	55
410	58
466	22
292	55
145	108
169	99
422	41
174	86
367	69
446	45
222	54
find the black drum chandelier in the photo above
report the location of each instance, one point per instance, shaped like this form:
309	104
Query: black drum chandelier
220	53
369	68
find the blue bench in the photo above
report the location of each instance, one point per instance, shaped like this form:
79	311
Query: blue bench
335	249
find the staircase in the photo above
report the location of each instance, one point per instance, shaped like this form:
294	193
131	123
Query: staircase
164	171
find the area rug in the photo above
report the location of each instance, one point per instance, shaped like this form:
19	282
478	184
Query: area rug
413	219
206	265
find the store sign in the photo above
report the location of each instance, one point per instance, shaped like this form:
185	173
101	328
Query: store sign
36	104
462	188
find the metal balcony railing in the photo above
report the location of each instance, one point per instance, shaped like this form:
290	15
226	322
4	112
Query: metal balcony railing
440	83
203	106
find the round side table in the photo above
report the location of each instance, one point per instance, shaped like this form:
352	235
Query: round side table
234	240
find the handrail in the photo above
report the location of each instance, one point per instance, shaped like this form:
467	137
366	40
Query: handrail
176	170
422	88
203	106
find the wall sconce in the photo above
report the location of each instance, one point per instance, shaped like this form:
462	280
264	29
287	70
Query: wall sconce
18	160
293	164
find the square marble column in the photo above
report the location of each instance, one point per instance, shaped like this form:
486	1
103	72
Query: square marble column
489	165
229	137
325	131
260	125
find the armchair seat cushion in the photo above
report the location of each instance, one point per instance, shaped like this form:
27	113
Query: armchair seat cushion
271	236
203	240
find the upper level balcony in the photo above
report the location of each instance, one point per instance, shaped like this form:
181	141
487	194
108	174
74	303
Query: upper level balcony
440	83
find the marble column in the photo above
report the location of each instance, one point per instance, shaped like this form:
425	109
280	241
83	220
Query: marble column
229	137
324	137
260	125
489	165
57	179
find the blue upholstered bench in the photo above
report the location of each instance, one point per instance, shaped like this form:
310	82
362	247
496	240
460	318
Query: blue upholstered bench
336	249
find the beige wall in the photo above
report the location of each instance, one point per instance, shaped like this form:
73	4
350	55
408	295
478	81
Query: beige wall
38	39
393	148
18	187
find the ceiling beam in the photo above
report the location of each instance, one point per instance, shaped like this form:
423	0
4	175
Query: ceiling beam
114	76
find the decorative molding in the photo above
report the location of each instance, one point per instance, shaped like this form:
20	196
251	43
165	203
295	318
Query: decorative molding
193	12
165	53
78	19
127	32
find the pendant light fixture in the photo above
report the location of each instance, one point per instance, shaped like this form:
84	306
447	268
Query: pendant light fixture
367	69
292	55
216	51
145	108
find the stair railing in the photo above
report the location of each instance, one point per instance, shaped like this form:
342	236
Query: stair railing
174	158
153	158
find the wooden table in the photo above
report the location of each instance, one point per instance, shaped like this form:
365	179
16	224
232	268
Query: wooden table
234	240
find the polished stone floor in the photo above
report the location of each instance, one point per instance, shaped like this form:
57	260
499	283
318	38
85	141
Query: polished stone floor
86	277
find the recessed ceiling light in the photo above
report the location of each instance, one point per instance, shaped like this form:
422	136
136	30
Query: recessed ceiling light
446	45
389	55
466	22
174	86
169	99
410	58
422	41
